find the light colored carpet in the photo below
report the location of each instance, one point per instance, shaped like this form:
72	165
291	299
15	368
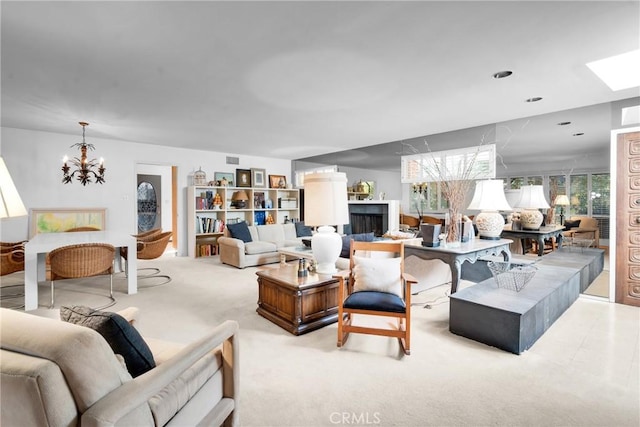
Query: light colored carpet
582	372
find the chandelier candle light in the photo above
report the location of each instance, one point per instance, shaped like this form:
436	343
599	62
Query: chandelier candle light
326	205
489	198
531	200
85	168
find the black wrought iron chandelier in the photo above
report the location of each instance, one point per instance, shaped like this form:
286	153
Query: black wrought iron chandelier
84	168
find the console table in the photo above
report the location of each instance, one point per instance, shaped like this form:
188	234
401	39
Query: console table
538	235
470	251
297	304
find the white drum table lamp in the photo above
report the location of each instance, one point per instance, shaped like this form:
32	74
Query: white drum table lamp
325	205
489	198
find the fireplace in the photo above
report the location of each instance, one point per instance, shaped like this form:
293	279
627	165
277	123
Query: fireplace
377	216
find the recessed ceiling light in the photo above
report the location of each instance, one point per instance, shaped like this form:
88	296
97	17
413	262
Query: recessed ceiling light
619	71
534	99
564	123
502	74
578	134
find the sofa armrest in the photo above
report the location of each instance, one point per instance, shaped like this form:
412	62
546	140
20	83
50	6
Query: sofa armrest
231	242
109	410
130	314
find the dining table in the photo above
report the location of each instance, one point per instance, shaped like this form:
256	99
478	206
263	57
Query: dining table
36	249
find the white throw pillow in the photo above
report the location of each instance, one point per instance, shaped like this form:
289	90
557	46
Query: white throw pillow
377	274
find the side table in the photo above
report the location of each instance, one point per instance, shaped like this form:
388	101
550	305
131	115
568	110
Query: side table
297	304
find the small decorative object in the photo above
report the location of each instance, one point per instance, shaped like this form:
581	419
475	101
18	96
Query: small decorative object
277	181
199	177
239	199
217	201
225	178
531	200
243	177
258	179
268	204
84	167
510	275
302	268
430	235
269	219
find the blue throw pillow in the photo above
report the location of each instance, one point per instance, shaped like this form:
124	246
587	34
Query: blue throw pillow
346	241
303	230
123	338
240	231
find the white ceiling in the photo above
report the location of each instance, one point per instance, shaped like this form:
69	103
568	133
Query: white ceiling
299	79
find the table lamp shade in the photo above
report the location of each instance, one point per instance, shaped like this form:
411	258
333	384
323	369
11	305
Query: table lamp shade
325	199
10	202
240	199
531	199
489	198
325	204
562	200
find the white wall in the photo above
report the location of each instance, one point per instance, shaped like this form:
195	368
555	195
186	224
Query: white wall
34	160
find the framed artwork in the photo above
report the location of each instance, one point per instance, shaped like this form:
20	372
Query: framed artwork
258	178
277	181
61	220
224	179
243	177
258	200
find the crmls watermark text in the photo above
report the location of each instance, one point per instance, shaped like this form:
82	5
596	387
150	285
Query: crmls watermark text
352	418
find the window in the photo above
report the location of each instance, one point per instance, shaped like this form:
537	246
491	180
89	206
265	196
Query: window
600	194
467	163
578	195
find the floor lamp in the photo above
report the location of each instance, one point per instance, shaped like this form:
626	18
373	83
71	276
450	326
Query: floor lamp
561	200
325	205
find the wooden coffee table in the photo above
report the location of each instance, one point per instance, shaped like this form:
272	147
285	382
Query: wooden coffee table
297	304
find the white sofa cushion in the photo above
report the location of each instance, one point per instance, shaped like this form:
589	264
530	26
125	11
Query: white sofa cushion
271	233
259	247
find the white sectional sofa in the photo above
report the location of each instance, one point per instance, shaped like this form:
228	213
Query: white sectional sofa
263	247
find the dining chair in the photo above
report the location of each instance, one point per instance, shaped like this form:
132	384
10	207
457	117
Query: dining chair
82	260
150	247
375	285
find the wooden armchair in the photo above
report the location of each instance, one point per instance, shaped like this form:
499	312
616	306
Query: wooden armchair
376	286
83	260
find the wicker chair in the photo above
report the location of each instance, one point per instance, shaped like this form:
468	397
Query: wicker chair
11	261
145	236
150	247
12	257
83	260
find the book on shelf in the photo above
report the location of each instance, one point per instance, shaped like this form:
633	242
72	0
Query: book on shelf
207	249
209	225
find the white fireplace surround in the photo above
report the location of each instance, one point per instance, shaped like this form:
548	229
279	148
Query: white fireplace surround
392	211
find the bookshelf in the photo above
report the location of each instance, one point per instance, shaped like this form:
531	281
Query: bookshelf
206	222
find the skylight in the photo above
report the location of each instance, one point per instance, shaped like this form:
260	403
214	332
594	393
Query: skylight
619	71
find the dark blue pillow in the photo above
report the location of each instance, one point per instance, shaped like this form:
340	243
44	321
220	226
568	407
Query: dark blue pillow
240	231
123	338
303	230
346	241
